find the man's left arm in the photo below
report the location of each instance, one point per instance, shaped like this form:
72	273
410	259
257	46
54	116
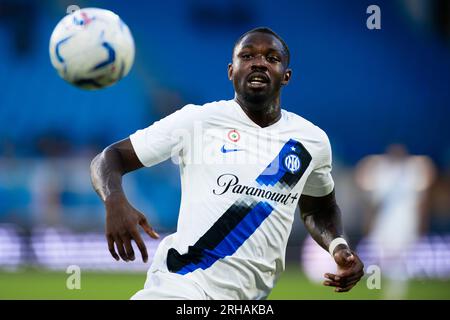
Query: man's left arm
322	219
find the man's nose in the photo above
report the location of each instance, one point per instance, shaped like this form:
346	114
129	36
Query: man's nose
259	63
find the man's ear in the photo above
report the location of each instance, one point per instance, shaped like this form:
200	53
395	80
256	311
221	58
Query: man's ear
230	71
287	77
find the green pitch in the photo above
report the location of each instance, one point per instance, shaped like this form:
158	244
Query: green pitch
39	284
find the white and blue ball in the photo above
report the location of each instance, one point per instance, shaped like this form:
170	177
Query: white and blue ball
92	48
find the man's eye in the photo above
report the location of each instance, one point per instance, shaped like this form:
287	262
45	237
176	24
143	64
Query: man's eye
246	56
273	59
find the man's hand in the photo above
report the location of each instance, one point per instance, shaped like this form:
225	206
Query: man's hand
121	227
350	269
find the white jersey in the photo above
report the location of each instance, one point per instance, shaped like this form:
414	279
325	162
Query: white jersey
240	187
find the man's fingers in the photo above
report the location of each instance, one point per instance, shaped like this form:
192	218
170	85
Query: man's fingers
354	277
128	248
119	245
343	284
351	283
340	281
111	248
345	289
330	283
332	277
140	244
148	229
347	274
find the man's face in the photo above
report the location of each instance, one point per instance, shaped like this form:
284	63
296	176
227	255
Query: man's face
259	67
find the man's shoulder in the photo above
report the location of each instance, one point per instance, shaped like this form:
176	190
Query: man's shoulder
209	108
305	125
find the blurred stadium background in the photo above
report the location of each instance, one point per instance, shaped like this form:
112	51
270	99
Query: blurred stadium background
366	88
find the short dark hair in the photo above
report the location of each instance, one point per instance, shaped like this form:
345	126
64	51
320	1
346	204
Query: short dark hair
268	31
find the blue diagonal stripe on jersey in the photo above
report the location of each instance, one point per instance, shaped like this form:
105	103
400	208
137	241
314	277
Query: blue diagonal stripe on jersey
233	240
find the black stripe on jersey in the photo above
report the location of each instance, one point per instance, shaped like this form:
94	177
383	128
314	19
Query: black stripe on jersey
221	228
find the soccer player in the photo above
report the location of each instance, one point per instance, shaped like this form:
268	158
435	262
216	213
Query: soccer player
396	184
245	165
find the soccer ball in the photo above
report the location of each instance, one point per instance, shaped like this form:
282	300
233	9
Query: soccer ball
92	48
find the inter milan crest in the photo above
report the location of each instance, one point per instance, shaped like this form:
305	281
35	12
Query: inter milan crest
287	167
292	163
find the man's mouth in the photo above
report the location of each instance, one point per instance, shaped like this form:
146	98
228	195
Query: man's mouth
258	79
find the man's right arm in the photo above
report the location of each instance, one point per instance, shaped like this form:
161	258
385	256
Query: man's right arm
122	219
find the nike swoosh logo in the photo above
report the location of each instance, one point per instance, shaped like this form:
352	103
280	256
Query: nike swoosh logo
229	150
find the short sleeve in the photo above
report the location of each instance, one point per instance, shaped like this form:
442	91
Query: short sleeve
320	182
164	138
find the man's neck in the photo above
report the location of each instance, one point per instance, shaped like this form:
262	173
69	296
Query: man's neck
263	114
